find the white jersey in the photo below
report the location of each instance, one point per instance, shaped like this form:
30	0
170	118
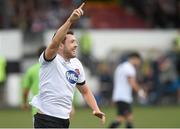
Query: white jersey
122	89
58	80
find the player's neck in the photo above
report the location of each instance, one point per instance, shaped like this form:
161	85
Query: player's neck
131	61
66	59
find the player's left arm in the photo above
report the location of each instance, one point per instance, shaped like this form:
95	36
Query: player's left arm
132	81
89	98
25	104
26	83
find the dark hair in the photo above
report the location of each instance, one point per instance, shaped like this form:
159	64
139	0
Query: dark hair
134	55
40	50
69	32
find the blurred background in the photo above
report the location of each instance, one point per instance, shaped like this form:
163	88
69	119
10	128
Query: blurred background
108	31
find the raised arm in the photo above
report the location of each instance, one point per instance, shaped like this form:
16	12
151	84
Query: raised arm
53	47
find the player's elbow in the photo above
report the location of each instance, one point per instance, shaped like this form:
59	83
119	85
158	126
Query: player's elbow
84	91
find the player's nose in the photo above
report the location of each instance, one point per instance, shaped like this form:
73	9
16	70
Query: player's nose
76	44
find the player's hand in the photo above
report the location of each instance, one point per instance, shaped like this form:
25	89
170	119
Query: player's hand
142	93
100	115
77	13
72	112
142	96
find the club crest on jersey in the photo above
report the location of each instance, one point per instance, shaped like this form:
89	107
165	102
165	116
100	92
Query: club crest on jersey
72	76
77	71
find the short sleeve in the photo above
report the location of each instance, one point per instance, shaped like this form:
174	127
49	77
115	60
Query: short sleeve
82	78
43	60
131	72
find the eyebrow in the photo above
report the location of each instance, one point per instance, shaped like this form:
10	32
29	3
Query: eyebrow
74	40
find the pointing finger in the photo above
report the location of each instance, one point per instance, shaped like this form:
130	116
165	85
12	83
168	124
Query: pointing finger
82	5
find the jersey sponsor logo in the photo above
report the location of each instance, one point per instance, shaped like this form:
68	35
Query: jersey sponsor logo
72	76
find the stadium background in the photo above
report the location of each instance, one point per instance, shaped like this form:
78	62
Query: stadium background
115	27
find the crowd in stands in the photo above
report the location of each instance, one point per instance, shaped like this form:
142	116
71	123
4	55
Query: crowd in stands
159	13
35	15
38	15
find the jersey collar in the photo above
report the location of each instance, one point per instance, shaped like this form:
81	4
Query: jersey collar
63	60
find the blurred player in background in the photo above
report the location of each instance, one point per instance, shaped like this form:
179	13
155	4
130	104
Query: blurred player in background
60	73
124	83
3	77
30	82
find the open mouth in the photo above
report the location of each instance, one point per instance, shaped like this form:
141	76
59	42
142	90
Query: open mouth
74	50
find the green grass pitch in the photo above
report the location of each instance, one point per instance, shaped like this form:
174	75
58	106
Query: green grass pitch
144	117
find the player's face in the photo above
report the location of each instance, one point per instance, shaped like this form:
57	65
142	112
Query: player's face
70	46
137	62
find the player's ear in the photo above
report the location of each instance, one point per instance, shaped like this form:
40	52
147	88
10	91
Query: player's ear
61	45
63	41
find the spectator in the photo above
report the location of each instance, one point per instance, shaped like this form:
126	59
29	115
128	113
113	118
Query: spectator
169	82
148	81
106	82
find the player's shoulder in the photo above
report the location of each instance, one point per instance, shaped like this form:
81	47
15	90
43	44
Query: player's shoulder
34	67
76	61
129	67
125	65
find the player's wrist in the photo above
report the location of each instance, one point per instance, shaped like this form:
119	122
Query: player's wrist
69	20
97	110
